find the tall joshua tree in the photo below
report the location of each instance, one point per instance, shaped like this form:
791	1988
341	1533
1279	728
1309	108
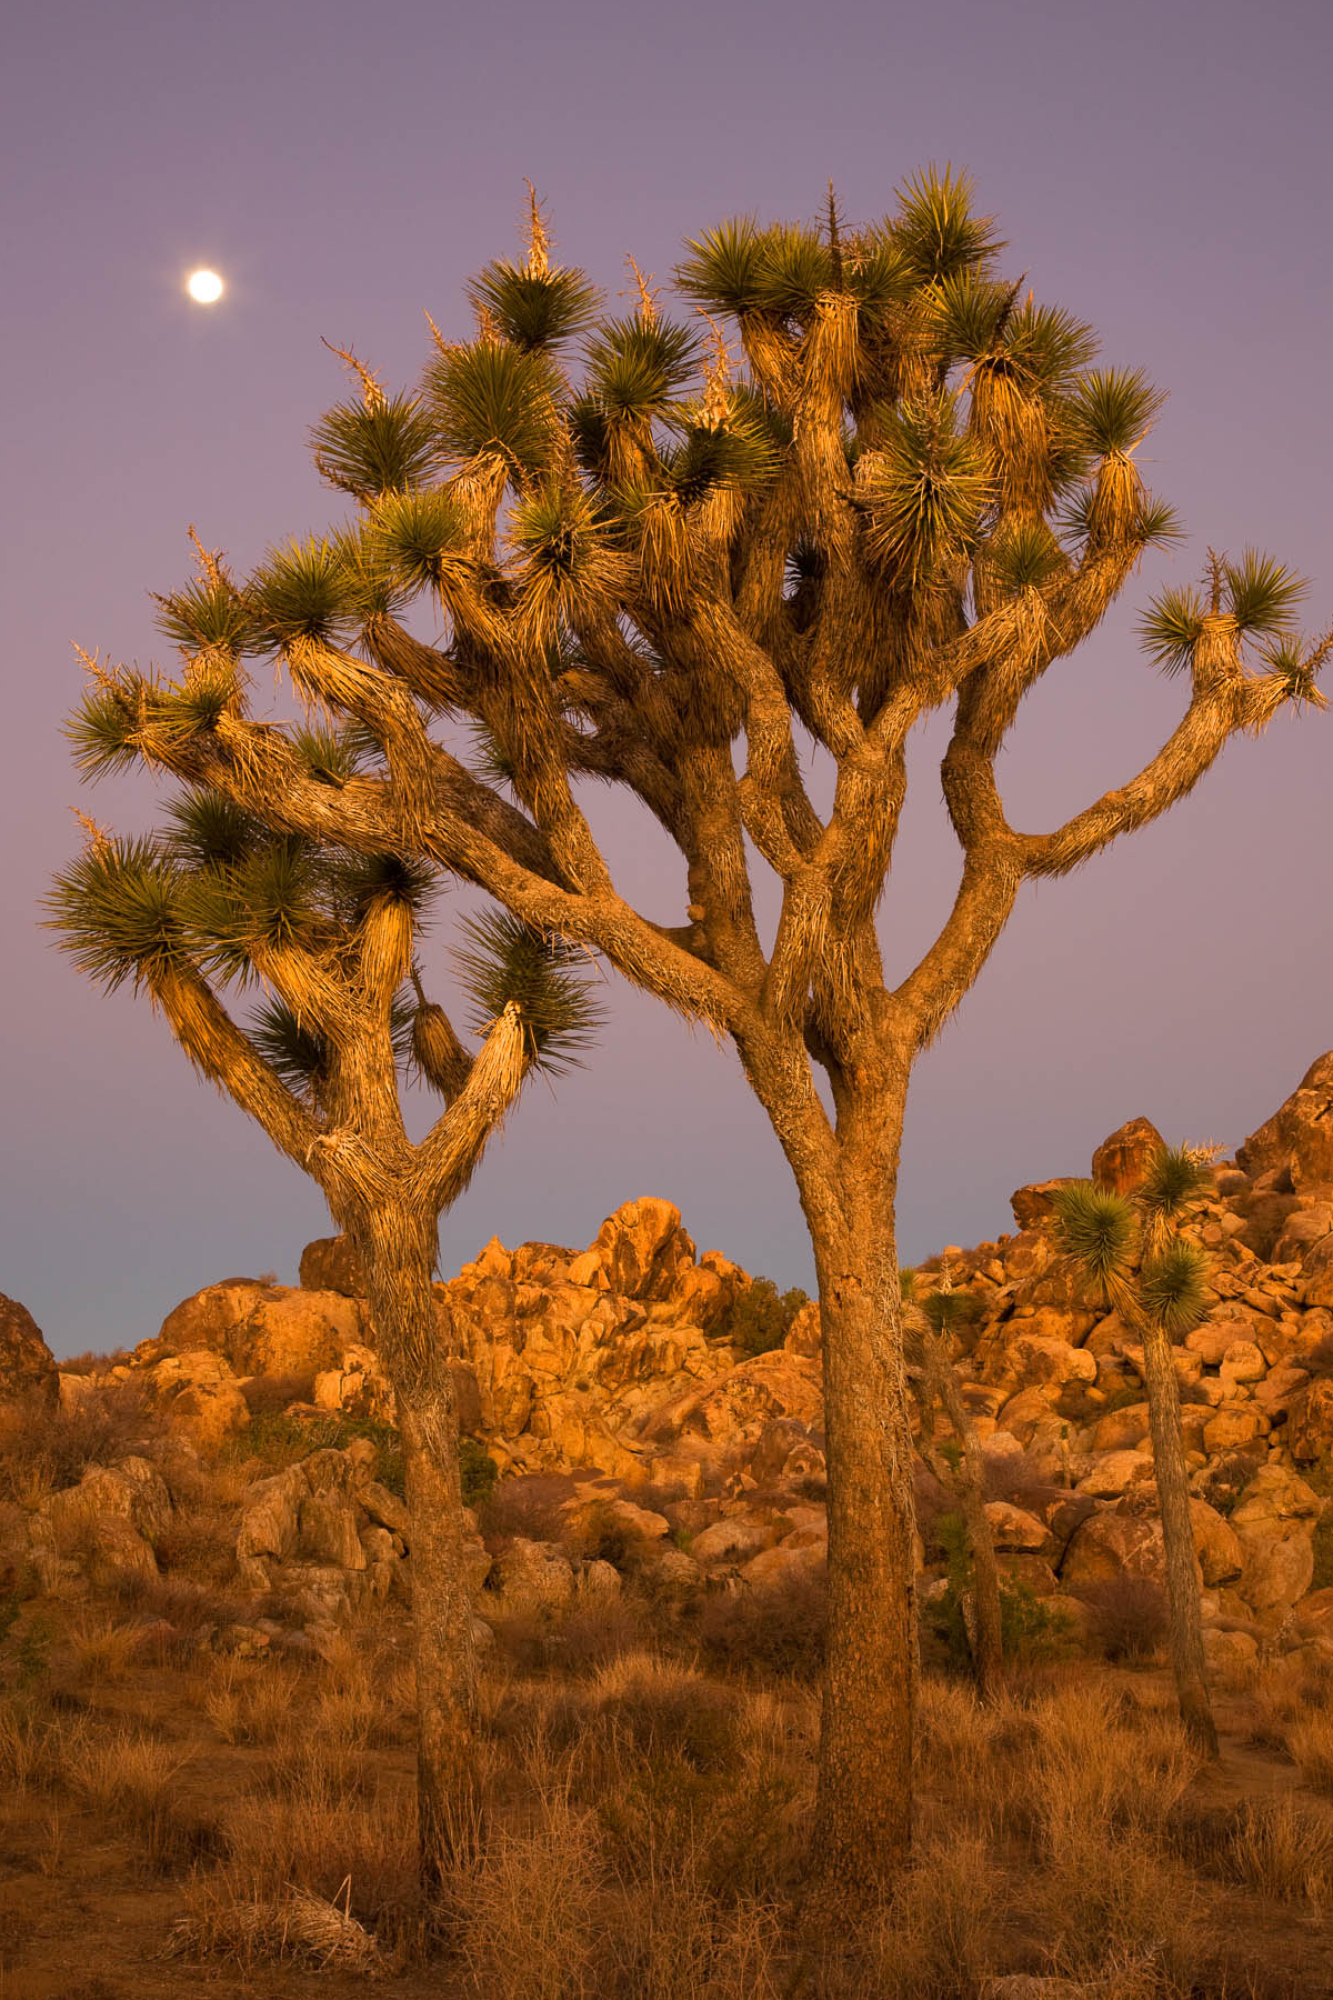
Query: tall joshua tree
228	895
685	571
1132	1253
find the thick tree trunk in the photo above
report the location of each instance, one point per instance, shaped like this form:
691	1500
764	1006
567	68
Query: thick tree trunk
1173	1496
397	1250
863	1814
970	1485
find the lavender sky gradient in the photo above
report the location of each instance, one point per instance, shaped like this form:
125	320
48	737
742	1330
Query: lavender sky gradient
1161	168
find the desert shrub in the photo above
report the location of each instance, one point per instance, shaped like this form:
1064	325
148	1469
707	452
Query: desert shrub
1127	1616
94	1364
1019	1478
478	1471
1193	1392
1285	1850
528	1508
577	1644
266	1395
776	1629
43	1450
602	1534
283	1437
1032	1631
1310	1742
761	1317
658	1711
1223	1481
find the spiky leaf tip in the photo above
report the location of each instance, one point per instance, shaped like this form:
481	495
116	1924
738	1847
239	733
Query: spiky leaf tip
534	309
303	591
206	830
635	366
724	269
1171	627
1111	409
1173	1288
506	960
1096	1228
104	729
369	449
295	1049
1261	593
117	911
358	881
936	229
492	399
208	612
420	538
1175	1180
1024	556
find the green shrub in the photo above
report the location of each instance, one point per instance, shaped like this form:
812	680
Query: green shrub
281	1438
761	1317
1031	1630
479	1472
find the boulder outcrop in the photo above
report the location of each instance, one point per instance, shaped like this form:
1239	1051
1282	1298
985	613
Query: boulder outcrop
27	1367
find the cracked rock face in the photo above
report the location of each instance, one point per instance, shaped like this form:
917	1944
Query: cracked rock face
1298	1138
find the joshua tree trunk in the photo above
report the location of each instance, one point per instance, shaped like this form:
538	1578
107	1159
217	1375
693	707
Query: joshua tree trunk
1177	1534
847	1184
970	1485
397	1251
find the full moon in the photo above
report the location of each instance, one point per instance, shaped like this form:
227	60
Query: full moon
204	286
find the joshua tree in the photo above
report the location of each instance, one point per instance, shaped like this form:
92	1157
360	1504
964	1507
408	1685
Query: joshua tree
694	576
1133	1255
929	1323
227	895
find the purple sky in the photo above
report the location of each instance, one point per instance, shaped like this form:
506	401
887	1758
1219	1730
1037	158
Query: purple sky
1161	168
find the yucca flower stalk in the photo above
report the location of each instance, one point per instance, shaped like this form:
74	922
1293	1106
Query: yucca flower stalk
317	943
859	479
1133	1258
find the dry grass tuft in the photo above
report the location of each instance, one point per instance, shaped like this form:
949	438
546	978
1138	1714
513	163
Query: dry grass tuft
294	1929
1311	1744
1285	1849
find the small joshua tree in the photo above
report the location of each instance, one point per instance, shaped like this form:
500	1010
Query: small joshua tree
1132	1253
929	1324
227	896
885	486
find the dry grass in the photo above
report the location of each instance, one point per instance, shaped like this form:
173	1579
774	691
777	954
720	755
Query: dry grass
1311	1744
43	1450
1284	1849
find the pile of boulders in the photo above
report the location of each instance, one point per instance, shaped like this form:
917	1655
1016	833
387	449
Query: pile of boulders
614	1365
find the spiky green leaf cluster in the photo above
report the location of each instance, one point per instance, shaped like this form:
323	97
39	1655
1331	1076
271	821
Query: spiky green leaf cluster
505	960
495	400
1173	1288
951	1312
1096	1228
207	612
117	911
372	448
206	830
534	309
419	538
924	491
1262	594
634	367
1111	409
303	590
1176	1179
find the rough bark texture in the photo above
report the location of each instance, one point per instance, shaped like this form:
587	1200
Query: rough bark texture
397	1250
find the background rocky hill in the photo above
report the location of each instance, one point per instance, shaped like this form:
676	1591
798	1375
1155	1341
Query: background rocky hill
617	1392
